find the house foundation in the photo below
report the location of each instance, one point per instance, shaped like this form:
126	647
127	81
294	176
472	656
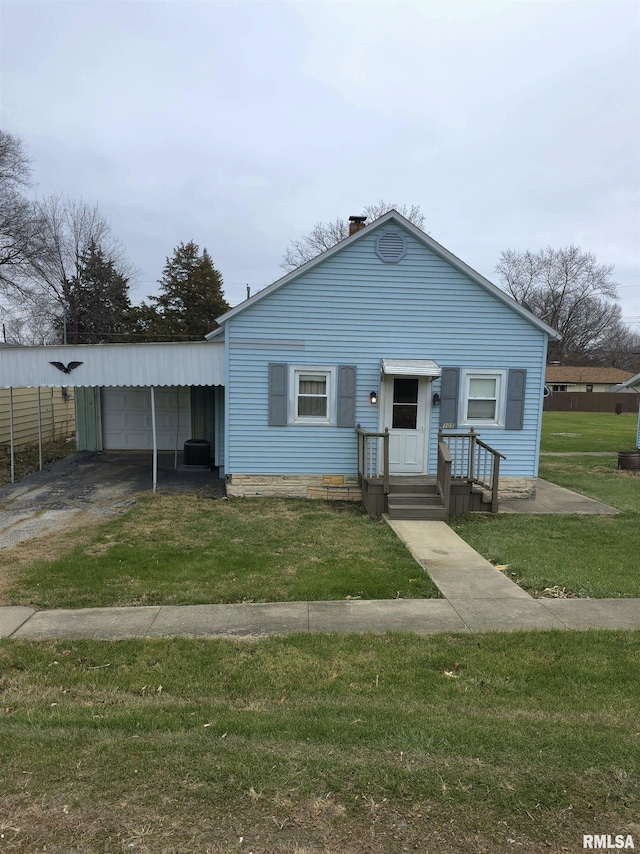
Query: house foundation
329	487
516	487
334	487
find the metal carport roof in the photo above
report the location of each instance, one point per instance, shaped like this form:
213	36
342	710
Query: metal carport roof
194	363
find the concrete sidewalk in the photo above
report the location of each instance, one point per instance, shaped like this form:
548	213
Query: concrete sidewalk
478	598
422	616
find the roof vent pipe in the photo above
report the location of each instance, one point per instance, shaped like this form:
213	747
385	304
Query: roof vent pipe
356	223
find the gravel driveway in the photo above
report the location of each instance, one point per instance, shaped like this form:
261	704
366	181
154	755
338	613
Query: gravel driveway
102	485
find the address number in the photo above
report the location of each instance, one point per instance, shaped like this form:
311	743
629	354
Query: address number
449	426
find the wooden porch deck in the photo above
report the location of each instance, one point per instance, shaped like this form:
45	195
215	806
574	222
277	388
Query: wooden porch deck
467	480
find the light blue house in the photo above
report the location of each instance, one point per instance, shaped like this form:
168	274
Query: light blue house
391	332
385	368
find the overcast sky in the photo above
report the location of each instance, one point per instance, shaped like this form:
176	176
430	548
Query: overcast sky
239	125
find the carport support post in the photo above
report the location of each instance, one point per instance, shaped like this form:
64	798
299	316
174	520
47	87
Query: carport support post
155	444
39	430
13	463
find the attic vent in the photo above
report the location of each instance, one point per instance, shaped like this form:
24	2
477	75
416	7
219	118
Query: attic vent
391	247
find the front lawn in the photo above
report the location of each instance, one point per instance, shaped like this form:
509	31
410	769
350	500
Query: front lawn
325	744
185	549
581	432
594	556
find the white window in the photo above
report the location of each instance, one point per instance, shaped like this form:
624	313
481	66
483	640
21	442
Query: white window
482	399
313	391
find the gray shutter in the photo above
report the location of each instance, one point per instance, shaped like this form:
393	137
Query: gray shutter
449	396
278	395
514	418
346	396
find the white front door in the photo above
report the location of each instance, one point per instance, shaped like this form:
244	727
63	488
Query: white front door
406	414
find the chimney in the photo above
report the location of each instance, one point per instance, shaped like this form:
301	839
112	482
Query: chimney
356	223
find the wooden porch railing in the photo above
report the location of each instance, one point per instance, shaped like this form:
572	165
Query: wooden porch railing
474	461
443	478
461	457
368	455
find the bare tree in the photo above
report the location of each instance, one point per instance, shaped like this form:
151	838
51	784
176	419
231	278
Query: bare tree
324	235
15	165
43	249
570	291
22	325
20	227
69	228
620	348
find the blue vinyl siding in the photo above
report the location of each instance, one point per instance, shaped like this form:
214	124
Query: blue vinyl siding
352	309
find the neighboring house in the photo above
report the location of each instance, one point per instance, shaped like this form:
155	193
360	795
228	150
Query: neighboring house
634	384
584	379
386	330
29	413
49	411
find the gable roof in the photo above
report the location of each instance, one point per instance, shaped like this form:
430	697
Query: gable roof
633	382
425	239
585	374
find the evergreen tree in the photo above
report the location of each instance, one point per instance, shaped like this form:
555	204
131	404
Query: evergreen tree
191	297
97	300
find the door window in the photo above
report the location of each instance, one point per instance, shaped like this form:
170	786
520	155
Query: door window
405	403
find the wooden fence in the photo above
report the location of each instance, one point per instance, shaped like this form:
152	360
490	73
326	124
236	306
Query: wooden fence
594	401
57	414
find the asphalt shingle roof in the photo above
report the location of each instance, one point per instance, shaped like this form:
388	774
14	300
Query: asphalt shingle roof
569	374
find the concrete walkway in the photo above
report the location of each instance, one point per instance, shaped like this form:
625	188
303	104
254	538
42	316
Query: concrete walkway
557	500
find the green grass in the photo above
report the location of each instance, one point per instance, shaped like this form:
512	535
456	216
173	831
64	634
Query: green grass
594	556
457	744
187	549
588	432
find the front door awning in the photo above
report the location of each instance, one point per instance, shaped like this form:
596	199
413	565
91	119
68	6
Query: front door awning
410	368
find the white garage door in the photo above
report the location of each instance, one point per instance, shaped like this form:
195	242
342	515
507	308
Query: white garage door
126	418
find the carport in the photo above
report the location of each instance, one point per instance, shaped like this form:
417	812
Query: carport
142	397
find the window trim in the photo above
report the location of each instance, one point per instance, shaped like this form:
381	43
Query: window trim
468	374
294	382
